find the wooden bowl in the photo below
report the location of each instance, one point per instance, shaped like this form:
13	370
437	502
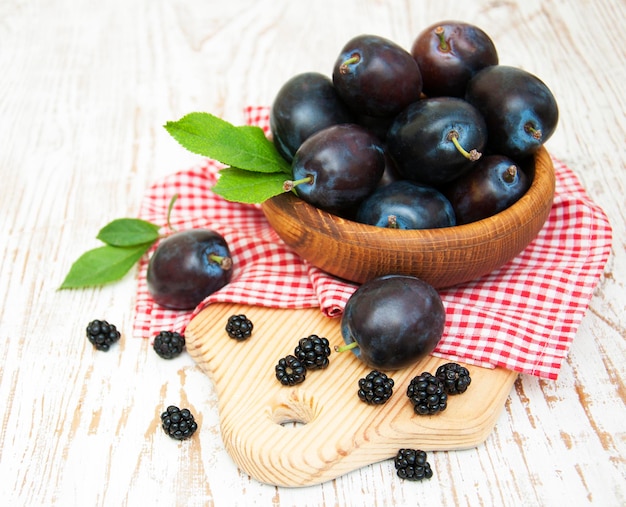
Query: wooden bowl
442	257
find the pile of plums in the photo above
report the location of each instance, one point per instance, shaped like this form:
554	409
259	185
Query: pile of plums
437	136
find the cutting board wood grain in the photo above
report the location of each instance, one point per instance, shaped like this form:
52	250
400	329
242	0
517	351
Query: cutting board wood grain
318	430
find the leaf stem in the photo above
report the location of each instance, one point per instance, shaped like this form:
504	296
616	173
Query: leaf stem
169	211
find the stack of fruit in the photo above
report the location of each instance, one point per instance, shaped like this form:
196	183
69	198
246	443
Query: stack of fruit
431	138
434	137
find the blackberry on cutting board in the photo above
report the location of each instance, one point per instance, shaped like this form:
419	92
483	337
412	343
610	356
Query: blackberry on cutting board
427	394
178	423
290	371
313	352
456	378
375	388
239	327
101	334
169	344
411	465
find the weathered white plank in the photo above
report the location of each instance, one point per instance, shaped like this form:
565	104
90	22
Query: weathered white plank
85	88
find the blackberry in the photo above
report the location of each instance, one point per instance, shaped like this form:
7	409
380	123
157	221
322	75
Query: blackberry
102	334
290	371
411	465
169	344
427	394
313	352
376	388
455	378
178	424
239	327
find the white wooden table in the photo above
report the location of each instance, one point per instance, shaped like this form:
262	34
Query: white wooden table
85	87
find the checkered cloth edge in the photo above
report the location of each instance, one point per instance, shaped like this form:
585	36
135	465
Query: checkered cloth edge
522	317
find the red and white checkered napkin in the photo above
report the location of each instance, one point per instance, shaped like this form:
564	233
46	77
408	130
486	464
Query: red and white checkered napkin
522	317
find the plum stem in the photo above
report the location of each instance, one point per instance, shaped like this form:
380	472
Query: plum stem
344	68
536	133
224	262
440	33
392	222
472	155
510	173
289	185
347	346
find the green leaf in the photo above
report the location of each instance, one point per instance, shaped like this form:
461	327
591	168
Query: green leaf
103	265
238	185
245	147
128	232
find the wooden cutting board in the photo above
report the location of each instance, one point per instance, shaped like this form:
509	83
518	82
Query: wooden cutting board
319	429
